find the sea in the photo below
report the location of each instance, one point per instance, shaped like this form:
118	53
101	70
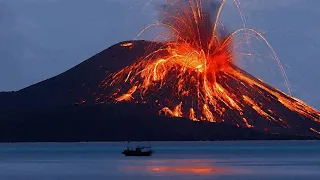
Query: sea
171	160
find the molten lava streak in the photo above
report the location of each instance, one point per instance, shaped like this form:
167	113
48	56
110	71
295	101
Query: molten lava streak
193	74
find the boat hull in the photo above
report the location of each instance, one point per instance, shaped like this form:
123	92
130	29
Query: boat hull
133	153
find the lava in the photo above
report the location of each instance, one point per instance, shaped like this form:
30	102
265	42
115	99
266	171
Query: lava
192	75
129	44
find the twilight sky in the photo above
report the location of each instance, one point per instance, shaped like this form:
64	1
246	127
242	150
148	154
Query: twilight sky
42	38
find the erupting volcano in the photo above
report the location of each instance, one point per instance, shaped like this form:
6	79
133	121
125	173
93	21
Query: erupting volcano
193	75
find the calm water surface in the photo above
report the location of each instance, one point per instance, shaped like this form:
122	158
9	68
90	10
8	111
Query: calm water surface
172	160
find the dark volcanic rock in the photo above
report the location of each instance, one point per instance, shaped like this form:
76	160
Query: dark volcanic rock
123	122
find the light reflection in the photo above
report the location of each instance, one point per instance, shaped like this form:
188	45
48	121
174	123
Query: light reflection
185	170
185	166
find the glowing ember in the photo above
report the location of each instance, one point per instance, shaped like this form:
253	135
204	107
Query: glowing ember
194	76
129	44
312	129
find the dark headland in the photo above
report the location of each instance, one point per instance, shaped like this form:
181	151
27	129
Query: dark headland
64	109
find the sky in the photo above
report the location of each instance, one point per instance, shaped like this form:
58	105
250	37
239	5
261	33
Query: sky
43	38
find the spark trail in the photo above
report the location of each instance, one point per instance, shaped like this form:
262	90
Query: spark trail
193	74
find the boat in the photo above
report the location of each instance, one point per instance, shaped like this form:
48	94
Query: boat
138	151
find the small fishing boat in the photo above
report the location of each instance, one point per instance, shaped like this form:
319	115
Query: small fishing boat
138	151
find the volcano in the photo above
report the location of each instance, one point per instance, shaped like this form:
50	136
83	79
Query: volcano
70	107
187	87
193	75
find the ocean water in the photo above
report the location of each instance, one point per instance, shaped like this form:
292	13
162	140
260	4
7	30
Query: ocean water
171	160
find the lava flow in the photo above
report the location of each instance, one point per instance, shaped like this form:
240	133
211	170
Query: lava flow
192	75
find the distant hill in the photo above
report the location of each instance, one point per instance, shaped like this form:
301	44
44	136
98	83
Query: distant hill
64	108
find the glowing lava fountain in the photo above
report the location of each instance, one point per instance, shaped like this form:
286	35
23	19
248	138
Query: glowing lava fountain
193	75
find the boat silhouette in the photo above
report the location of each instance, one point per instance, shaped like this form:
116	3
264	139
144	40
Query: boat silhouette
138	151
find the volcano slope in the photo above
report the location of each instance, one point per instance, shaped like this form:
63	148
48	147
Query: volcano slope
230	96
77	105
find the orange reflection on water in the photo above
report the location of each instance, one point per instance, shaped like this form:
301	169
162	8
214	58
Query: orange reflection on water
186	169
200	167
